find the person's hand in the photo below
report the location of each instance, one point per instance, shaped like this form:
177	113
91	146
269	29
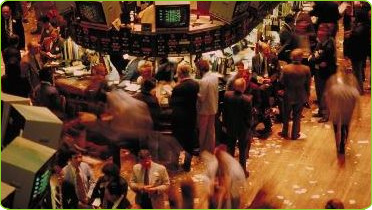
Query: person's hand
149	189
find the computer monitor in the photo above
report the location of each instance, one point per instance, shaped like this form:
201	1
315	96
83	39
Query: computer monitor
6	101
26	165
38	124
98	14
172	15
229	11
7	195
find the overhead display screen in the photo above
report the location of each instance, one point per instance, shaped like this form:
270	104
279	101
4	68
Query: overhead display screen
173	16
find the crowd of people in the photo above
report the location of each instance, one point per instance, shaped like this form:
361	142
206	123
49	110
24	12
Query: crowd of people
275	79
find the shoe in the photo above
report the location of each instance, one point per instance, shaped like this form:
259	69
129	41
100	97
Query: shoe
323	120
296	137
283	135
317	115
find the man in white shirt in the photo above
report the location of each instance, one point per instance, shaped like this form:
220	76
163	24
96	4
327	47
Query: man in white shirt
207	107
78	175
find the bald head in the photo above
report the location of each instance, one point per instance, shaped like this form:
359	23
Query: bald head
297	55
240	85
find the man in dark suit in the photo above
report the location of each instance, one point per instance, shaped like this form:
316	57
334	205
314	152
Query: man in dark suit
288	40
183	103
265	64
296	80
152	102
10	26
12	50
237	119
325	66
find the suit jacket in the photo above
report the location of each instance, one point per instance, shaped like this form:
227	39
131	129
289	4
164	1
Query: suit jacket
184	114
273	67
237	113
327	54
17	29
152	104
296	80
183	103
11	52
207	103
158	177
55	48
30	68
288	42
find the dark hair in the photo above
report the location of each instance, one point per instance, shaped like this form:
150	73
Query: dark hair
115	187
14	39
148	85
334	204
289	19
111	169
143	154
71	153
46	74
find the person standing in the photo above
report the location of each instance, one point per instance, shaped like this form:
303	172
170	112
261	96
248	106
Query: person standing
10	26
12	50
237	119
296	79
358	45
325	66
46	94
12	82
149	181
116	185
77	178
288	40
31	64
207	105
341	96
184	114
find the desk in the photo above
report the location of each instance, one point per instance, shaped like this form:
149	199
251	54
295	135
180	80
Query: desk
87	86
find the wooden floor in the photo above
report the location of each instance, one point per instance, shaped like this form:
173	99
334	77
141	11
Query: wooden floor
301	174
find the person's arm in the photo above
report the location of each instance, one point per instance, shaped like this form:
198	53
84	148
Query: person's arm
165	183
134	182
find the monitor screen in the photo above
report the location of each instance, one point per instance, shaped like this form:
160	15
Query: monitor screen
172	16
14	123
41	184
91	11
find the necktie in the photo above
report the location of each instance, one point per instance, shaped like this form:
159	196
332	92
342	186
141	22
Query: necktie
146	180
81	193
